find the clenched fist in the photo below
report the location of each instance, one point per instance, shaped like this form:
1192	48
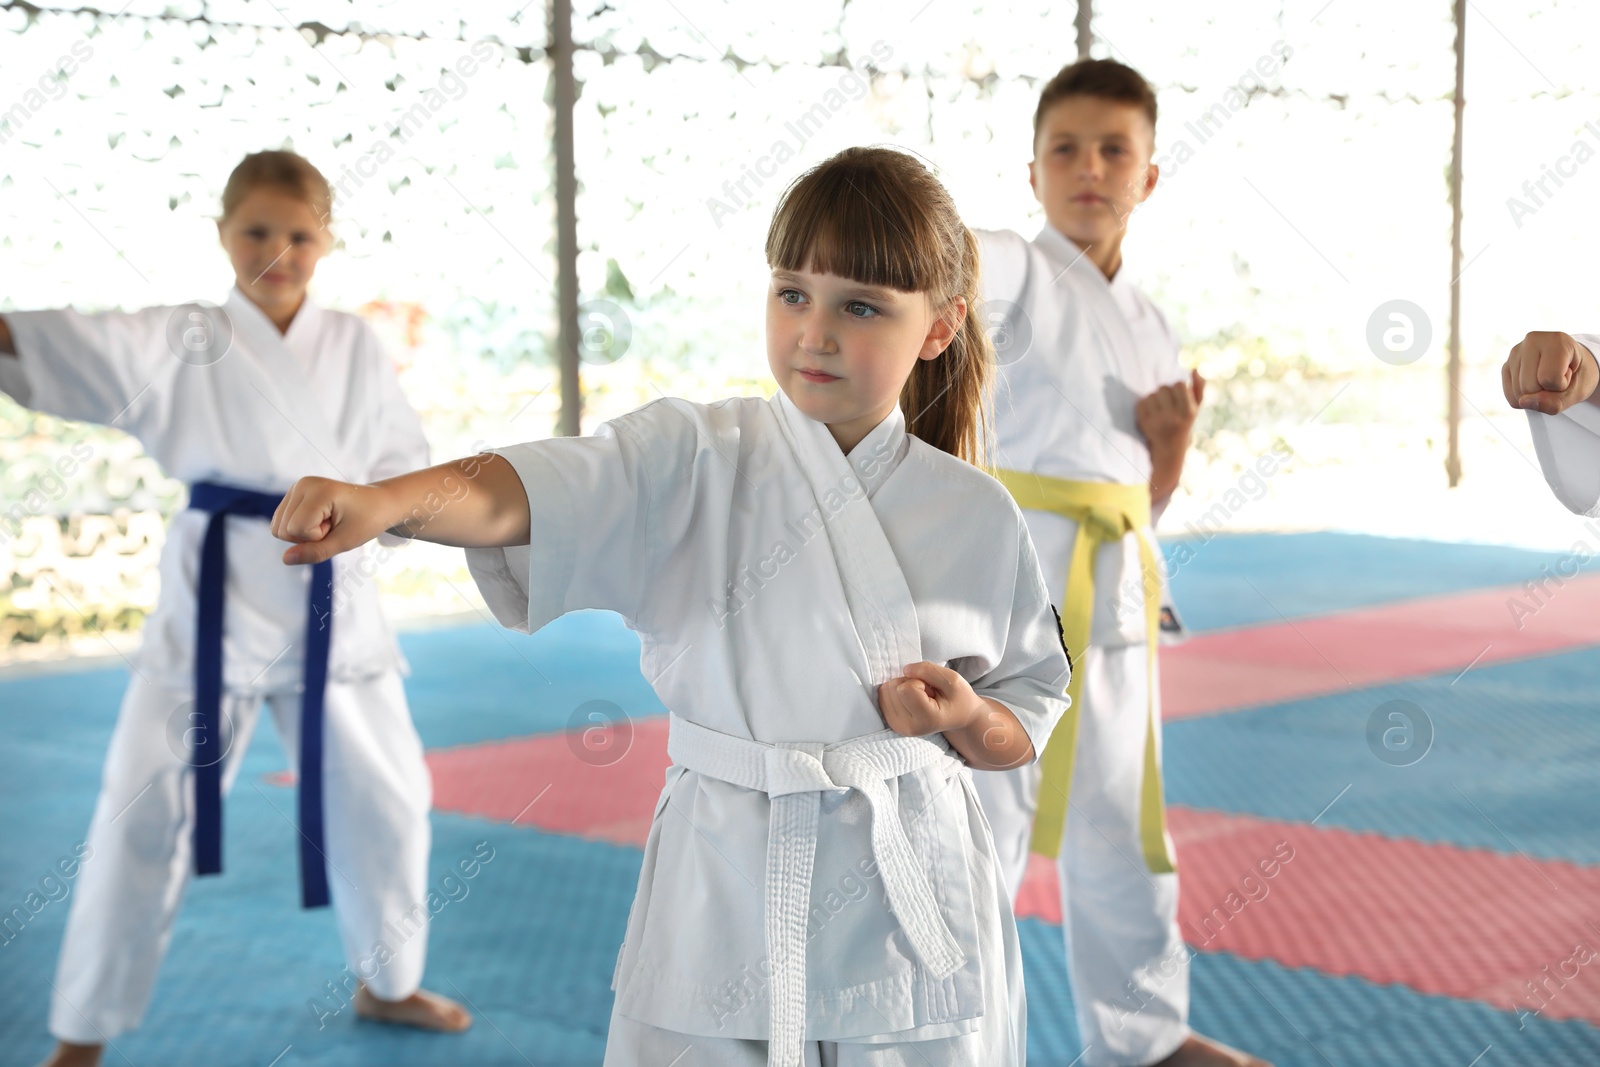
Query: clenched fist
1166	416
1549	372
324	517
930	699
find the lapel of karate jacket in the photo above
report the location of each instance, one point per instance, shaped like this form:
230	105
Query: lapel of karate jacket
875	588
1098	303
278	375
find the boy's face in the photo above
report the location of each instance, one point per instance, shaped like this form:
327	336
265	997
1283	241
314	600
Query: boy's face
842	350
1091	166
274	240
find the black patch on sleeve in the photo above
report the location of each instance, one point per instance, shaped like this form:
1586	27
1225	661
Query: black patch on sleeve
1062	635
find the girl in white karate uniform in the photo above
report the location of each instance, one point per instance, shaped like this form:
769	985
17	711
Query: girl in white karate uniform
803	572
237	400
1553	377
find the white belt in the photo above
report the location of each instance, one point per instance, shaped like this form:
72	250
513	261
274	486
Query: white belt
795	775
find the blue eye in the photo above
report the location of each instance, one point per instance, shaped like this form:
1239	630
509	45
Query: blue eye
854	304
784	294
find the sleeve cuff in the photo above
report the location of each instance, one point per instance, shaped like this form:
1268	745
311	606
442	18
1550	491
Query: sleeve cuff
525	586
1038	731
1568	446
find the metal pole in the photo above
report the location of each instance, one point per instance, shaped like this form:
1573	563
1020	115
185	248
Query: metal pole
1085	36
1452	463
564	100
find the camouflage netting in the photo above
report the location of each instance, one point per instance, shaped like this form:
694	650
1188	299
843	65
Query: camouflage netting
1305	158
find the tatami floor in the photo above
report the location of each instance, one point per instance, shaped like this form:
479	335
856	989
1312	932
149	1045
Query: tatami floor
1432	885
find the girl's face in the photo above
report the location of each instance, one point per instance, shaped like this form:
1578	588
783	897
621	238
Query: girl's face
274	240
842	351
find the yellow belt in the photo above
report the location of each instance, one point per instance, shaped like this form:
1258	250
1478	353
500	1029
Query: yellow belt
1104	512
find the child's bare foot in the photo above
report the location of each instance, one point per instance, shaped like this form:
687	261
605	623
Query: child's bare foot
1200	1051
70	1055
422	1009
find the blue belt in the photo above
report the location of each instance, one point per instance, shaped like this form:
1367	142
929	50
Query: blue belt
207	751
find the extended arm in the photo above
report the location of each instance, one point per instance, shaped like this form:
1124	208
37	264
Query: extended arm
91	367
477	502
1553	377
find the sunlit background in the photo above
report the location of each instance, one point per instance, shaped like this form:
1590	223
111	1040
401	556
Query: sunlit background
1306	151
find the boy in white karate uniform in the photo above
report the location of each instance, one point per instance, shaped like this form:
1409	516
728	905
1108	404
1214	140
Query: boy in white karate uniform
237	401
1093	417
1552	376
802	571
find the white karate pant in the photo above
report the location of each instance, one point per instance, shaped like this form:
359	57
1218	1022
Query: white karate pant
637	1045
376	798
1126	959
1000	1039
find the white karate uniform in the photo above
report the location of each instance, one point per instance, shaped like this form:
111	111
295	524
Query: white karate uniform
1568	446
248	407
1076	353
775	583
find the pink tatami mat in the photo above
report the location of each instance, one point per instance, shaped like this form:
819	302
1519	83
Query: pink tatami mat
1439	919
551	782
1256	665
1436	918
